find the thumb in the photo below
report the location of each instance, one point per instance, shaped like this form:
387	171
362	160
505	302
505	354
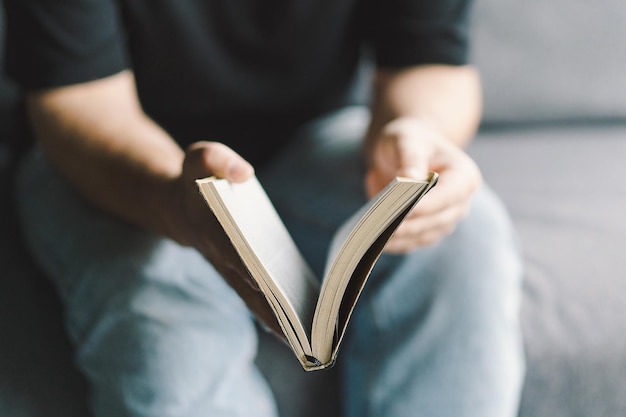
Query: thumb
400	152
393	157
411	162
212	158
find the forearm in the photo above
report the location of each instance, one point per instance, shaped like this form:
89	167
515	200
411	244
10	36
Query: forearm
448	98
98	137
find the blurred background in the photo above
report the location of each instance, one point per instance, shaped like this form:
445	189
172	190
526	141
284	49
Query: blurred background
551	60
553	145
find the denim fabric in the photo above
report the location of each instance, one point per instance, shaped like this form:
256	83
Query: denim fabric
435	333
157	331
159	334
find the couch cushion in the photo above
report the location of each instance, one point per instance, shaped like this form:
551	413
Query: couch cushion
547	60
566	189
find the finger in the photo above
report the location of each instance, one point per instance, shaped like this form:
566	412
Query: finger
213	158
412	160
396	155
401	246
427	230
400	153
444	220
455	186
446	194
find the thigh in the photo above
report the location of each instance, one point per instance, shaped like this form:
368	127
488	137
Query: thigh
157	330
438	330
93	258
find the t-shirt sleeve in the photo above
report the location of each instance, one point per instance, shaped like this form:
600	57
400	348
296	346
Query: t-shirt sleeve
413	32
52	43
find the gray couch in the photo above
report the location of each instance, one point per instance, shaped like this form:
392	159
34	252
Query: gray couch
551	144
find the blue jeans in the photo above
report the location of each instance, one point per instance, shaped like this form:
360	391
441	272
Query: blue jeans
158	333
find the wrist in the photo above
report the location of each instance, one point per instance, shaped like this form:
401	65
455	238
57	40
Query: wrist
448	98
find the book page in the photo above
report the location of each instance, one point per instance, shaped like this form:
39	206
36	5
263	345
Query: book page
342	234
270	252
354	251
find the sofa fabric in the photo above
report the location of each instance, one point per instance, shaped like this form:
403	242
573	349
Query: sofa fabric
547	60
566	190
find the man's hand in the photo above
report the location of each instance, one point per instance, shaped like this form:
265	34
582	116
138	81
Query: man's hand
194	225
189	214
410	147
98	136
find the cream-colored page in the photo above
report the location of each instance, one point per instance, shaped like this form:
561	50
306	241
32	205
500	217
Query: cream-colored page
267	236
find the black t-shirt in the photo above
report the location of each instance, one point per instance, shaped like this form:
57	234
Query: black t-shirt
244	72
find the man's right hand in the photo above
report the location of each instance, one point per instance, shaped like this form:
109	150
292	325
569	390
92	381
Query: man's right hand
202	159
97	135
195	225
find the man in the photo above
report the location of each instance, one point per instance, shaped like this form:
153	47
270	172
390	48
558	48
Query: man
131	101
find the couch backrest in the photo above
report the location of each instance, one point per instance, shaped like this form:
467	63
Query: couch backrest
551	60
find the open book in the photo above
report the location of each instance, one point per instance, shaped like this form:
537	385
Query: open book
261	262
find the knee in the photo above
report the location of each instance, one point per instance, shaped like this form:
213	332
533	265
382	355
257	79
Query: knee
486	245
488	225
475	271
480	265
165	344
166	291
